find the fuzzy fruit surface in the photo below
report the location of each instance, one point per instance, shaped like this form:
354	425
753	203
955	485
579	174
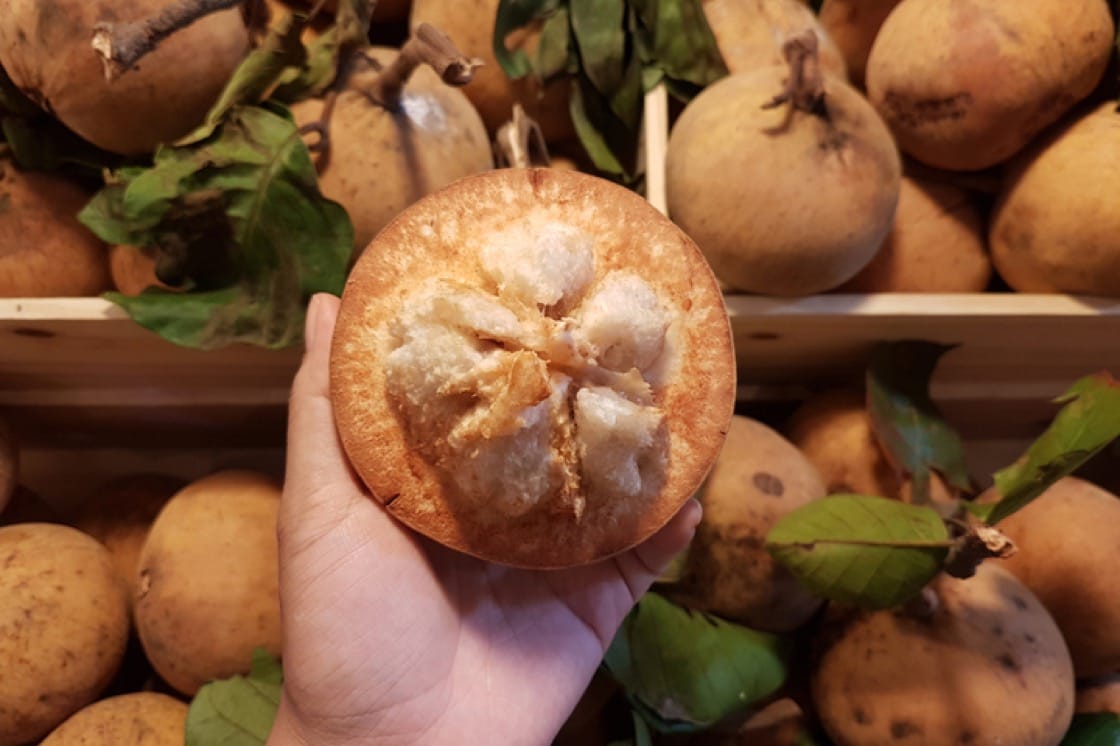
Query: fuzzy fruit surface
45	48
782	202
853	25
750	33
140	719
965	84
1054	229
989	666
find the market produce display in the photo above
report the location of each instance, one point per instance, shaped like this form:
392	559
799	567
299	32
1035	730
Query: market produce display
534	366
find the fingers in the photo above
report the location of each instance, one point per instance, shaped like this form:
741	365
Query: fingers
315	458
645	562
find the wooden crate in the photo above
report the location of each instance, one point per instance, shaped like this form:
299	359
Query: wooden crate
92	394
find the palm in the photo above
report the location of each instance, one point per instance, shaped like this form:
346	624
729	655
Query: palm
390	638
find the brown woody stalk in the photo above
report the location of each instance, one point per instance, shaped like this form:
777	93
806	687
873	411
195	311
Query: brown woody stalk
427	46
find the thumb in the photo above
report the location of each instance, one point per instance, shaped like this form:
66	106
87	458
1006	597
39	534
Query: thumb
315	458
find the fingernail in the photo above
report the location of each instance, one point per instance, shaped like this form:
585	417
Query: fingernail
311	322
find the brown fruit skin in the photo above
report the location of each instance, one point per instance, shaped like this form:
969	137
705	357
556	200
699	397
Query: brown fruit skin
989	667
470	24
1068	544
381	162
63	626
781	210
9	464
1054	229
45	48
937	245
834	432
140	719
965	84
758	478
208	590
750	33
119	515
44	250
1101	695
852	25
133	269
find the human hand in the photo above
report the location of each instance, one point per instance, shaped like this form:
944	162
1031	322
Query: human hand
390	638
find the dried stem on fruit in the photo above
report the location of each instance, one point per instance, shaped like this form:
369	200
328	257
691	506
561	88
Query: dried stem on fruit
122	45
804	89
979	543
427	45
514	141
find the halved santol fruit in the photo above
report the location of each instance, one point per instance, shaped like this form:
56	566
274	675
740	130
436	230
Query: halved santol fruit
44	250
532	366
46	48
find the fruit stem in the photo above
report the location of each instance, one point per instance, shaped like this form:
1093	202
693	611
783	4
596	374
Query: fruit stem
979	543
515	139
427	45
804	89
122	45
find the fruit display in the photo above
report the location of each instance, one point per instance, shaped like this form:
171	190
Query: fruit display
564	315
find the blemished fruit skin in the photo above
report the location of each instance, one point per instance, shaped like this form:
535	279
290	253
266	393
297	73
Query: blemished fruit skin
140	719
782	202
44	250
965	84
381	161
1054	229
63	626
207	587
1068	543
936	245
45	49
989	666
758	478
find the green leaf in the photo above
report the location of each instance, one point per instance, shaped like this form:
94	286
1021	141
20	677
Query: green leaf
1088	422
238	711
597	26
512	15
317	72
679	41
554	51
914	436
239	220
684	670
596	127
869	551
1093	729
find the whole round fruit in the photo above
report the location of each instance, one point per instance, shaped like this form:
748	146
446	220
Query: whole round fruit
119	515
532	366
45	47
853	25
63	626
207	591
1053	228
1068	541
1099	695
44	250
936	245
384	158
140	719
987	666
758	478
791	199
965	84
